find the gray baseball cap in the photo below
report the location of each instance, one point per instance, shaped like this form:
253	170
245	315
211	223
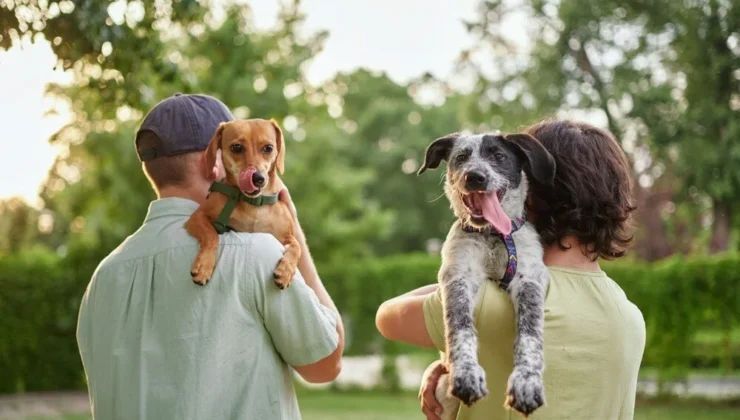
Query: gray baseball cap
180	124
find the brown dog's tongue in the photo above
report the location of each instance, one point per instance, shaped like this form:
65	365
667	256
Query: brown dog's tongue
245	181
493	212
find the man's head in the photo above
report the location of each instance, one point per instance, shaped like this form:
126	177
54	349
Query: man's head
252	150
484	180
591	198
172	138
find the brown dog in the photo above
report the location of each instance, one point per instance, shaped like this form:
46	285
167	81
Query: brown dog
253	153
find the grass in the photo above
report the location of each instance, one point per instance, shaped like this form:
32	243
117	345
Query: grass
322	405
694	410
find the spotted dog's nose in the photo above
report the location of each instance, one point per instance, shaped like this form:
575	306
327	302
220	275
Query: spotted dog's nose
475	181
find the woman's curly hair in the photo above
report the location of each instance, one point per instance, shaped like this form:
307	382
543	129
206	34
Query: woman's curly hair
592	196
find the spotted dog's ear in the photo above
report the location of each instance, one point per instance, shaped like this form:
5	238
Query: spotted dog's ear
438	151
540	163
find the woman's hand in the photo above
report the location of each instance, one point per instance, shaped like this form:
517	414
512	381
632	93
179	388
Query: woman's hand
429	404
284	196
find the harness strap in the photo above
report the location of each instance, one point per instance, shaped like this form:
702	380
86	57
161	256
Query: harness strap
234	195
508	241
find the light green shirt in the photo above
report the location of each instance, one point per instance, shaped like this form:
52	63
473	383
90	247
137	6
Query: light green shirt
594	341
156	346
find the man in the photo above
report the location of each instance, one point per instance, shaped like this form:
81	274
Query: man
594	336
155	345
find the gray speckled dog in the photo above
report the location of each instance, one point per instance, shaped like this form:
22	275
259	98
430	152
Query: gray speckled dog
486	184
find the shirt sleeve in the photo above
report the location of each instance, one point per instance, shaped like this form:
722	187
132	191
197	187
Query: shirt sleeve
302	329
434	319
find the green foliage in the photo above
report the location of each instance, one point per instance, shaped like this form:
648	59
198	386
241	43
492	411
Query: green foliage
662	73
38	303
636	64
360	288
96	191
18	226
691	309
678	298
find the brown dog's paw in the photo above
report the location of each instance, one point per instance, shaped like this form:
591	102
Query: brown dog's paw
283	275
202	269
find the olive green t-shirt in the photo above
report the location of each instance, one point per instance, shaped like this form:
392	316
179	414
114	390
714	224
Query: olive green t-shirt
594	341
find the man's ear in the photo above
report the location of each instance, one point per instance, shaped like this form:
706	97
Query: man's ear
540	164
438	151
212	151
280	162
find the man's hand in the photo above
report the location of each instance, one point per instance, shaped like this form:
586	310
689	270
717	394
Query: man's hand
429	404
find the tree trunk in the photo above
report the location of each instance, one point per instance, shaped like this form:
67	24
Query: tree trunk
721	225
652	242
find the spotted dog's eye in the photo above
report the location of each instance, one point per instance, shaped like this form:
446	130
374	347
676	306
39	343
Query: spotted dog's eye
460	158
236	148
267	149
500	157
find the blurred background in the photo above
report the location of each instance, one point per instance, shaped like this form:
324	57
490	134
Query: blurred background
360	89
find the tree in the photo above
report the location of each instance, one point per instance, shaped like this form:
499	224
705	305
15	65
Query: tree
636	64
18	226
390	132
702	43
97	192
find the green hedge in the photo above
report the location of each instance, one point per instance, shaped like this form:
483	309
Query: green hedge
691	307
40	295
37	328
678	297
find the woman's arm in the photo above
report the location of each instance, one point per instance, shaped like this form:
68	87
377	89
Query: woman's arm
402	318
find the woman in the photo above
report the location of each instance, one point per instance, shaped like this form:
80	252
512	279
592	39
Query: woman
594	336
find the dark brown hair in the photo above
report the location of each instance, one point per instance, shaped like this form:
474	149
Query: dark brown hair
592	196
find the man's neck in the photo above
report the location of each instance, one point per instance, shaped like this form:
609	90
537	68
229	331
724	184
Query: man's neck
195	194
572	257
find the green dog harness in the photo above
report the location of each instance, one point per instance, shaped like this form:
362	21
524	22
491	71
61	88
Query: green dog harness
234	195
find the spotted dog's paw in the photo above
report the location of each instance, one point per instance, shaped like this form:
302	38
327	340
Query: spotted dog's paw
468	382
525	392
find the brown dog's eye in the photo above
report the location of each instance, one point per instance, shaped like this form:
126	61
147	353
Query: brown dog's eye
237	148
499	157
267	149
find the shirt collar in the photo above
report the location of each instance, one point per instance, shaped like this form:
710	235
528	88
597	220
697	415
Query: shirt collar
170	206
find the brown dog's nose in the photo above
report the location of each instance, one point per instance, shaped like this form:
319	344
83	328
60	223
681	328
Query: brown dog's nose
258	180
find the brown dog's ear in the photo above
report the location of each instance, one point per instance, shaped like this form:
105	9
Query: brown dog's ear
540	163
438	151
212	151
280	162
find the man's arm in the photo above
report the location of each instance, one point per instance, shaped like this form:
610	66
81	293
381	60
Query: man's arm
402	318
328	368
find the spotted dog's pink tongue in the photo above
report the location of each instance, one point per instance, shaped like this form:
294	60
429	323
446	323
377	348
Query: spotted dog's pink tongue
245	181
492	211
